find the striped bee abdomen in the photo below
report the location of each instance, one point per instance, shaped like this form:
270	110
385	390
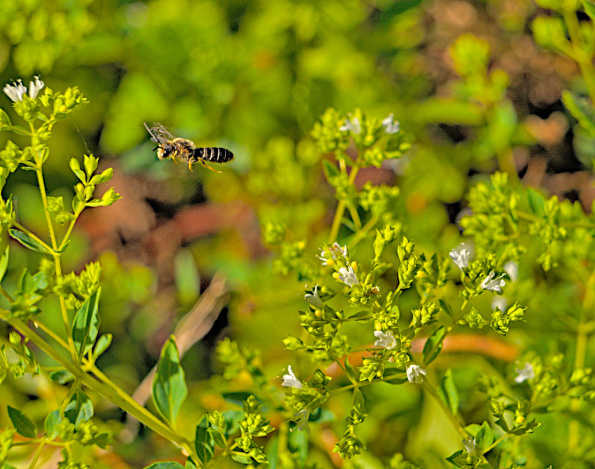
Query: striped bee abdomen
214	154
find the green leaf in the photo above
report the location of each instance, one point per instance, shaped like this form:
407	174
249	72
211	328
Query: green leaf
102	344
236	398
502	124
17	129
51	424
63	248
27	241
330	170
536	202
22	424
90	163
169	386
62	376
79	409
103	177
448	391
85	326
75	166
272	450
350	370
433	346
589	8
203	442
4	263
4	119
484	437
363	316
242	458
449	111
446	307
165	465
218	437
581	109
187	279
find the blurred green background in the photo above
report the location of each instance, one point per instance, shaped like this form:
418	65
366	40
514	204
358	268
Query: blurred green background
254	76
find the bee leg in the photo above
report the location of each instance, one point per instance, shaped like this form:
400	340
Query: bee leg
190	166
209	167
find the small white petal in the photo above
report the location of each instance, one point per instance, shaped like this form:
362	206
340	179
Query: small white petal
525	373
35	87
322	257
512	269
390	127
290	380
499	302
314	299
460	256
386	340
353	125
302	424
15	91
337	250
415	374
469	444
493	283
348	277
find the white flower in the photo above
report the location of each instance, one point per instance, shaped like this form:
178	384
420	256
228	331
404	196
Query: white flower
469	444
15	91
512	269
352	125
290	380
390	127
525	373
493	283
499	302
35	87
460	256
322	257
386	340
415	374
335	250
314	299
302	423
348	277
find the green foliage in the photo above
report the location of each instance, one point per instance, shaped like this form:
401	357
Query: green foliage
387	301
169	385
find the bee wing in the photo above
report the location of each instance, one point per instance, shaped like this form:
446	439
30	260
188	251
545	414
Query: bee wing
159	133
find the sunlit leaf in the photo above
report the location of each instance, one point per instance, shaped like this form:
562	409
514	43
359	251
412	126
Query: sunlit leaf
169	385
27	241
22	424
85	326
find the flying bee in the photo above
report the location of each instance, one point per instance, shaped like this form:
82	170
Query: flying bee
185	150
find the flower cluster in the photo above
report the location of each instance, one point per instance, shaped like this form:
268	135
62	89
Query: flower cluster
17	90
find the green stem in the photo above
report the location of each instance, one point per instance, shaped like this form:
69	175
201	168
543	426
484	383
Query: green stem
44	200
5	294
29	233
452	417
37	453
579	357
68	231
341	209
496	443
112	392
63	309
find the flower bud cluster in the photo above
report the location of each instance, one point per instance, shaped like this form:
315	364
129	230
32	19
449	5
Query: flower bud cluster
501	320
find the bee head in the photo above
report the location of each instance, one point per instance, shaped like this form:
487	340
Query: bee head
164	150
